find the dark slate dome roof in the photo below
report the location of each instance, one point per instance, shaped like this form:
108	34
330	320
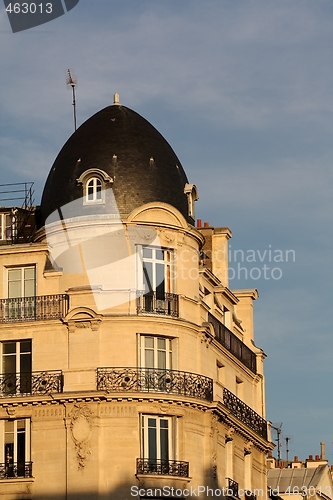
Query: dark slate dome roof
117	130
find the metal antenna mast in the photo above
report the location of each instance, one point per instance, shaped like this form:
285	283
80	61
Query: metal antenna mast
279	443
71	80
287	439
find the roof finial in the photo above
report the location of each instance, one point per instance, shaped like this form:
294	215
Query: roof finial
116	98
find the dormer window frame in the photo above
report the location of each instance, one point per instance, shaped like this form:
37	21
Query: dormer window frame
94	183
94	191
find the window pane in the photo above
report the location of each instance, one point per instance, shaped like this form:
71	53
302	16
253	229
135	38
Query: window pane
164	440
147	253
14	289
25	346
25	363
9	347
149	359
160	280
161	343
160	254
14	274
9	364
152	448
148	276
149	342
162	360
29	273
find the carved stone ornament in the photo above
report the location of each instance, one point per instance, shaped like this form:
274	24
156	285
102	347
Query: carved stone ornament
248	448
204	338
168	236
11	412
214	425
229	434
80	428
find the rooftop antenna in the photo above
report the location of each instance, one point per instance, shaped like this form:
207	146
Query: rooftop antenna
287	439
278	439
71	80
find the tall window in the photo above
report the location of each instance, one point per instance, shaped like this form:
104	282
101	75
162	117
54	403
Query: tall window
156	271
155	283
21	292
5	227
156	361
16	367
15	449
156	352
157	441
94	190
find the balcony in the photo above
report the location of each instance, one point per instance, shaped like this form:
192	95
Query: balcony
232	490
10	470
244	413
155	380
233	344
37	308
162	467
162	303
248	495
27	384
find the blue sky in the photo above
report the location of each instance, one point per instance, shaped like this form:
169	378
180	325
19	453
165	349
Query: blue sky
243	91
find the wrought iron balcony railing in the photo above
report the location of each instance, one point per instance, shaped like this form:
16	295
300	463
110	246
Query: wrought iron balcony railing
162	467
155	380
232	488
244	413
234	345
26	384
42	307
11	470
248	495
157	303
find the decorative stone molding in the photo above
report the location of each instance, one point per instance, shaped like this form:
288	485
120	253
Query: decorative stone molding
80	429
82	318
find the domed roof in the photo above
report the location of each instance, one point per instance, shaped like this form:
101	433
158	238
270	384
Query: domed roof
141	165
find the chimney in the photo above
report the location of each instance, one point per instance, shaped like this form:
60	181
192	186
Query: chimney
199	223
206	224
310	457
317	457
322	451
295	458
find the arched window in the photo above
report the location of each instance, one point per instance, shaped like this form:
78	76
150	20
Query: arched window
94	190
94	182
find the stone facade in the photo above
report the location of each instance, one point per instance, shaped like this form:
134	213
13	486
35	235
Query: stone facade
116	390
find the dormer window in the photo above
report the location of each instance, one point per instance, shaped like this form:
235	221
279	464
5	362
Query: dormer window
94	193
94	182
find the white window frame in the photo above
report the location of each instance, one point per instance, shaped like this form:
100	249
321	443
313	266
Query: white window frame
27	431
4	228
156	348
22	280
145	435
167	261
97	196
